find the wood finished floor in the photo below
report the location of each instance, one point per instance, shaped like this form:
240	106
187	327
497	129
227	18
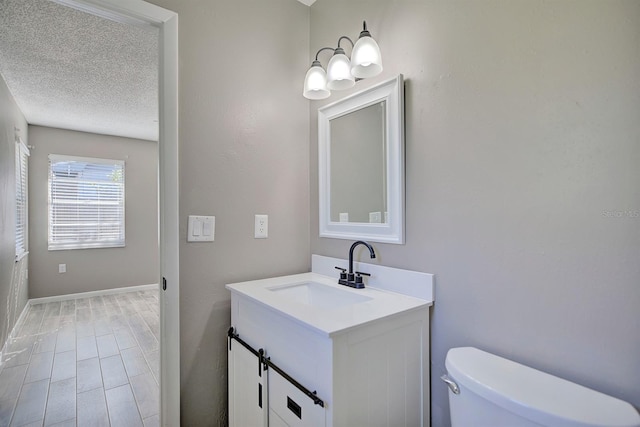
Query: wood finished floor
84	362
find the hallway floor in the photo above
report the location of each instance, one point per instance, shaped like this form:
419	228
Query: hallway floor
84	362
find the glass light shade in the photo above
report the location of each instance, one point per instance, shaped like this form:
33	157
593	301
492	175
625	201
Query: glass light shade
315	83
339	72
366	60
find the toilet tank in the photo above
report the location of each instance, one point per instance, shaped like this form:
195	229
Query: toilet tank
495	392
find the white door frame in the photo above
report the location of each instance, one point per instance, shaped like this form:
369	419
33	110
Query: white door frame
140	13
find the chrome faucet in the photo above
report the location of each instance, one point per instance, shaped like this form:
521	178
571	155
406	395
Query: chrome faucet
352	279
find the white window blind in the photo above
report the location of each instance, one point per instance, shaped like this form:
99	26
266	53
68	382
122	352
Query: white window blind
22	219
86	203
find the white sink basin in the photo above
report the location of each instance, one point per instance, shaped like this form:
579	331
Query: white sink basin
319	302
318	295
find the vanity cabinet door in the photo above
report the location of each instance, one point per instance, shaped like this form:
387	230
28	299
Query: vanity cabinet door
292	408
275	420
247	389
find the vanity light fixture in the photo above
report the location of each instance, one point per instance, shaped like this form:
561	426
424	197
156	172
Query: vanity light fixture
343	72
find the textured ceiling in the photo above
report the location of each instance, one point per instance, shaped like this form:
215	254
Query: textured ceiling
71	70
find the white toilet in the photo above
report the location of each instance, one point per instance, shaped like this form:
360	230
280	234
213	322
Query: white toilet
489	391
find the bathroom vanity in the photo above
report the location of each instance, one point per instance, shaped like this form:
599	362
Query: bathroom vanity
304	350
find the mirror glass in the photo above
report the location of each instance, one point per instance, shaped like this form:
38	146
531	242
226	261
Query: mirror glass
358	164
361	165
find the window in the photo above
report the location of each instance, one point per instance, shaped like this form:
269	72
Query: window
22	164
86	203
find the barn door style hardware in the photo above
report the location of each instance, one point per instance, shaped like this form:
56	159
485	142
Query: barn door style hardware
266	363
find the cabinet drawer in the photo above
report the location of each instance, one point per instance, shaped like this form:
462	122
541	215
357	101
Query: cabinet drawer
292	406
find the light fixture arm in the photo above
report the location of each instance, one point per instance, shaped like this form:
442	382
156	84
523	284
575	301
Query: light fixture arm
345	37
364	32
324	48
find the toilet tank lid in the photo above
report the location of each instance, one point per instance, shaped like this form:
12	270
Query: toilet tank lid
536	395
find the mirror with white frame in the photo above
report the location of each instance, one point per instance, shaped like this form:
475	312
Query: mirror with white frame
361	165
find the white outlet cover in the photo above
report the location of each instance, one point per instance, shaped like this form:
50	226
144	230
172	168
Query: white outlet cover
261	229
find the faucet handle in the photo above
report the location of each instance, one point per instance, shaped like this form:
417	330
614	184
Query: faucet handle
343	273
359	284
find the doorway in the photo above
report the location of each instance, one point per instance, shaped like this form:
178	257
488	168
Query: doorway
143	14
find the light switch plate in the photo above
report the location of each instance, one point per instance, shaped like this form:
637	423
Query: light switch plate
201	228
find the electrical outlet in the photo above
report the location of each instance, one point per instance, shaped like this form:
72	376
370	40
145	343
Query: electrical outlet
261	227
62	268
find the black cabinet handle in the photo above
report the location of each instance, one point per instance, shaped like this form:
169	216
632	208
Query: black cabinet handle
294	407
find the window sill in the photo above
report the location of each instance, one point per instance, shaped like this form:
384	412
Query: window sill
86	246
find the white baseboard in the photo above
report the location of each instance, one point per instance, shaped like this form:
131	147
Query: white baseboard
55	298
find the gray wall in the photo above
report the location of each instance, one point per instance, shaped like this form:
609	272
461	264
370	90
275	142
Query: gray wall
522	175
244	150
95	269
13	277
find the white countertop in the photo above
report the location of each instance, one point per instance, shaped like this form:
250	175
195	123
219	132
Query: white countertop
327	320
